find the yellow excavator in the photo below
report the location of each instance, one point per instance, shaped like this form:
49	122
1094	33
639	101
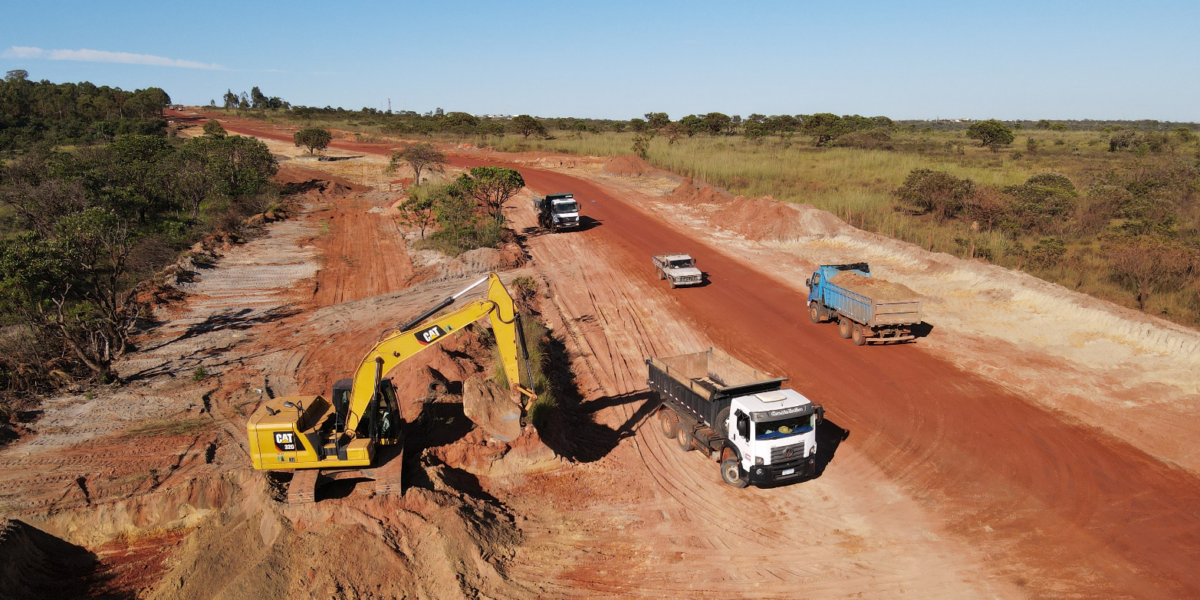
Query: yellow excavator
359	427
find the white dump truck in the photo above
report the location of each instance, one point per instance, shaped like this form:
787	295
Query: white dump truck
557	211
678	269
743	418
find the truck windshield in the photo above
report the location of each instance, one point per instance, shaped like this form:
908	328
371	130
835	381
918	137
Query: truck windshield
566	207
783	428
680	264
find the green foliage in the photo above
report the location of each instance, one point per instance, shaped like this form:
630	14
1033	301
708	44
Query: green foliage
86	226
460	228
716	123
990	133
935	192
491	187
213	128
527	126
200	374
418	211
74	113
1044	203
1047	252
313	138
658	120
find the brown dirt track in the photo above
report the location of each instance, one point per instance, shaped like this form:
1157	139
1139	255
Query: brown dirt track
1043	498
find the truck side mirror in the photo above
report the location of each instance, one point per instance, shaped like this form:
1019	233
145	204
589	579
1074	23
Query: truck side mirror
820	414
743	427
808	282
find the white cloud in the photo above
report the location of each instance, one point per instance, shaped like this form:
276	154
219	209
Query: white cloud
105	56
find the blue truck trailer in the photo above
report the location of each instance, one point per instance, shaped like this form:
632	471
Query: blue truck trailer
866	309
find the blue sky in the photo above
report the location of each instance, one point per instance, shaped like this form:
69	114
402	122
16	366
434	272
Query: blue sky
619	59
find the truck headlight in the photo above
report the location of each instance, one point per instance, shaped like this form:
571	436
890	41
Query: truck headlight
758	460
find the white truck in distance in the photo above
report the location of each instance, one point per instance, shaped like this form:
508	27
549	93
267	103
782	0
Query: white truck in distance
557	211
743	418
678	269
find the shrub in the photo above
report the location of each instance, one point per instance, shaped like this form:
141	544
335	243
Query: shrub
313	138
934	192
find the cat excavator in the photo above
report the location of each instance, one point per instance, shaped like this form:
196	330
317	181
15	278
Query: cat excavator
357	432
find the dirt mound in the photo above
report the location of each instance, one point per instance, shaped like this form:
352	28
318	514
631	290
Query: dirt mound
765	219
628	164
689	193
873	288
759	219
433	542
474	262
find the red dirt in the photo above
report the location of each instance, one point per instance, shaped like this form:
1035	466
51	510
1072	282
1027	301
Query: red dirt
759	219
628	164
1045	498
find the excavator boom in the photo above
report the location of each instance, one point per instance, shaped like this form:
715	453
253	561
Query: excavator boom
315	433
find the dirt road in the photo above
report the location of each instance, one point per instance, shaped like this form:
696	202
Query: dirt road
1047	500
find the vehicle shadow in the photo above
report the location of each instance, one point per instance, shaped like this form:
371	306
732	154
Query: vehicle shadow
829	437
585	224
922	329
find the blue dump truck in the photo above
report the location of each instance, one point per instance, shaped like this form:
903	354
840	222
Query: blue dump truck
866	309
757	430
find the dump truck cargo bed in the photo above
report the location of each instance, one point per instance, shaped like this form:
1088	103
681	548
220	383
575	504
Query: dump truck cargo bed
705	382
872	301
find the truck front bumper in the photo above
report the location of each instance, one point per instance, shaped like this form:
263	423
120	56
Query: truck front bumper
766	474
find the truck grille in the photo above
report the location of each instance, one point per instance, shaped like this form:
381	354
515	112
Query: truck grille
787	454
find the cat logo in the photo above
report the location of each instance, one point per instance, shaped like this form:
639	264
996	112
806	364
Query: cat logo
285	441
430	334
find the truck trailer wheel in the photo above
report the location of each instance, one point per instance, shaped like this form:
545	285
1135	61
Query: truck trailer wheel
731	472
683	435
814	313
858	336
844	327
667	422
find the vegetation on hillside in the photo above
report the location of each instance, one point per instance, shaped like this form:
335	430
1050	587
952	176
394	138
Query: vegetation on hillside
81	228
467	212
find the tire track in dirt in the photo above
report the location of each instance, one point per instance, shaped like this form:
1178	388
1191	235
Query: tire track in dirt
982	454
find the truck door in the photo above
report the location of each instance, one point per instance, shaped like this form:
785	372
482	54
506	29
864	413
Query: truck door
741	437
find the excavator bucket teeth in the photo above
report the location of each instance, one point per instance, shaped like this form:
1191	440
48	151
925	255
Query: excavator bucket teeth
490	407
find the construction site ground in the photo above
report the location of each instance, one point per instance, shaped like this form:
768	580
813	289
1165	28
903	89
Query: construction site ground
1035	443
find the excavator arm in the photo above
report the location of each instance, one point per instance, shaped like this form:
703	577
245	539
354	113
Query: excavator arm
421	333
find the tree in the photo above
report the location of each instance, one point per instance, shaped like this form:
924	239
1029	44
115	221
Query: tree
673	133
527	126
692	124
716	122
230	99
824	127
991	134
419	157
637	125
214	129
313	138
149	102
641	145
1145	264
418	211
491	187
658	120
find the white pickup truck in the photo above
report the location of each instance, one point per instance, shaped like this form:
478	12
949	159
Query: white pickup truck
678	269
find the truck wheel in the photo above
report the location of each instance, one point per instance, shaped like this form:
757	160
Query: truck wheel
667	422
844	327
722	424
672	284
859	337
814	313
684	436
731	472
661	275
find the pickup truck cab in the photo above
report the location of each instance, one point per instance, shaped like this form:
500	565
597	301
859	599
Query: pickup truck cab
678	269
557	211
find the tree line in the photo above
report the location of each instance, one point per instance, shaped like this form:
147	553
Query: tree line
73	113
82	230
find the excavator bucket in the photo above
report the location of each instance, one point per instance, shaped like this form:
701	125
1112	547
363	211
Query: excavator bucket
490	407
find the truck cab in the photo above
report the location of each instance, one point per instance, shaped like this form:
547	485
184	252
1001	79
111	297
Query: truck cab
816	283
773	435
557	211
679	269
